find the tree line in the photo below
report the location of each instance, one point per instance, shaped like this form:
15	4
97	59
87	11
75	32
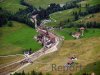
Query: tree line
89	10
53	7
23	15
31	73
86	25
67	24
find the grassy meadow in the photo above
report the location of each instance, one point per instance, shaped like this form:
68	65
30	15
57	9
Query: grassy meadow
86	50
11	5
63	15
44	3
67	14
16	39
95	17
91	32
91	2
9	59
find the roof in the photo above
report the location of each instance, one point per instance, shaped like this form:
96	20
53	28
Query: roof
51	35
82	28
78	33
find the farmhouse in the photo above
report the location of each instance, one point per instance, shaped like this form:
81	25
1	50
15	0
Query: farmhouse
76	35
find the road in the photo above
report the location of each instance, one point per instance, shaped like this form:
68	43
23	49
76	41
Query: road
16	66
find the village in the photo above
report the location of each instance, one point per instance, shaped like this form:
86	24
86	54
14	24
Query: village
49	37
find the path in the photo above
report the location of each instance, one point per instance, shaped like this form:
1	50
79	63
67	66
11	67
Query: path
16	66
40	53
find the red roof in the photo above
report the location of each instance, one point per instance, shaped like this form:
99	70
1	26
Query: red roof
51	35
82	28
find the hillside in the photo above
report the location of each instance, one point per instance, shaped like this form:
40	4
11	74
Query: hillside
86	51
65	20
11	5
44	3
91	32
16	39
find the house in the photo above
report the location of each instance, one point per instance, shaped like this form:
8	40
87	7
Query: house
76	35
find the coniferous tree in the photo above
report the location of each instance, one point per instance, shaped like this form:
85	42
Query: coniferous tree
40	73
23	73
33	73
10	24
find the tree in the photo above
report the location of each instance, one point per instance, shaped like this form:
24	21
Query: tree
17	73
23	73
48	73
3	20
4	15
40	73
10	24
87	5
33	73
76	17
68	20
62	23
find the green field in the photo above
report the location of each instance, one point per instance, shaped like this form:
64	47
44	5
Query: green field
44	3
89	18
16	39
91	2
12	5
63	16
20	37
67	14
88	33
